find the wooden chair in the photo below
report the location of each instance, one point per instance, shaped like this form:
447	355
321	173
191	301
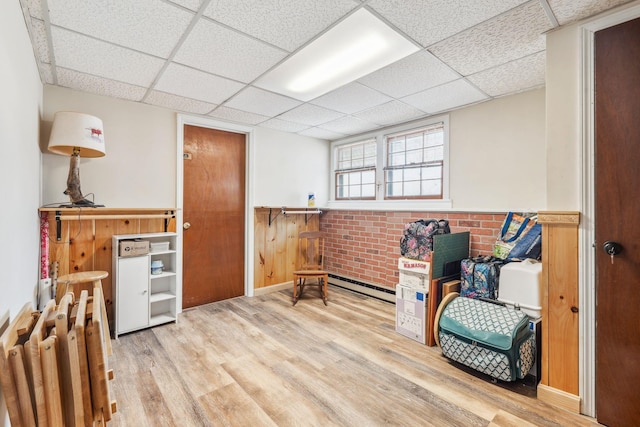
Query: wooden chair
310	265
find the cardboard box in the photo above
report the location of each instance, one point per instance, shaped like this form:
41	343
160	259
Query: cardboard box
411	311
414	265
134	247
415	280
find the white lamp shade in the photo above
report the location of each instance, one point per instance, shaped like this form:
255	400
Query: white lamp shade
77	130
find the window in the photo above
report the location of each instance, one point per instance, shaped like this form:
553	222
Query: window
414	164
404	166
356	171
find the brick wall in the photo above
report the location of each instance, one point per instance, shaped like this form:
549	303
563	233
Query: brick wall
365	245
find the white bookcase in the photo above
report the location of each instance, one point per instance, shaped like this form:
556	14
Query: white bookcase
143	299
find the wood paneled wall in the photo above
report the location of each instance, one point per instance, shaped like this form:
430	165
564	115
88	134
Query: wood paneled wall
84	242
560	380
276	244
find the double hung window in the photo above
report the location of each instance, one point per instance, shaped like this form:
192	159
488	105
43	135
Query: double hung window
405	163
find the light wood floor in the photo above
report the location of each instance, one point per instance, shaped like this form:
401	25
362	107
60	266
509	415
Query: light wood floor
261	362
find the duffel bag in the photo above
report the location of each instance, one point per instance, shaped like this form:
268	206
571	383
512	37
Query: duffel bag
480	277
417	238
487	337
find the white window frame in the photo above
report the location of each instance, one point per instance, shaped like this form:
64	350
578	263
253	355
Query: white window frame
393	204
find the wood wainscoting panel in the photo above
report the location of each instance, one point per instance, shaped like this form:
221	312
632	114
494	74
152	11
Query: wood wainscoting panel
84	240
560	302
276	244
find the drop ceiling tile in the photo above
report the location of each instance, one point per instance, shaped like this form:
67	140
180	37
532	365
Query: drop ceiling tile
91	56
239	116
429	21
98	85
178	103
310	114
521	74
510	36
351	98
189	4
389	113
445	97
567	11
319	133
189	83
35	8
349	125
39	39
149	26
286	24
219	50
260	101
46	74
284	125
413	74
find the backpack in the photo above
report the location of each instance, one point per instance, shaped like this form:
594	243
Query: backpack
417	238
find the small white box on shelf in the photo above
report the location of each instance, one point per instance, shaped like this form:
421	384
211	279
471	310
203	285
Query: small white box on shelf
159	246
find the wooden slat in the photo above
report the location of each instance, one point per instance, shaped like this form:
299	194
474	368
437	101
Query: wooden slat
103	259
18	364
38	335
65	363
83	362
9	339
97	355
51	380
260	225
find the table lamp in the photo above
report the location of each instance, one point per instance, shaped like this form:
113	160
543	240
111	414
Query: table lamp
76	135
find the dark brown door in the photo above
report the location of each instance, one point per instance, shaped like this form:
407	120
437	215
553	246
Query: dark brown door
617	198
214	211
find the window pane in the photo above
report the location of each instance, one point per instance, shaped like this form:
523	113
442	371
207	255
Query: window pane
368	177
355	178
431	187
369	190
412	174
414	157
396	145
415	170
412	188
434	172
354	191
357	163
397	159
370	150
414	142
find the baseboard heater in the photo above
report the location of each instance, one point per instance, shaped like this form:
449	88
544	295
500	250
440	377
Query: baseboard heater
380	292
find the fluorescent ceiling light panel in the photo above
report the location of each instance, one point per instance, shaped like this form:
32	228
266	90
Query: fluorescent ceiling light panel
357	46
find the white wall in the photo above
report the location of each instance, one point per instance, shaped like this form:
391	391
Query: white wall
139	168
20	105
564	120
497	154
288	167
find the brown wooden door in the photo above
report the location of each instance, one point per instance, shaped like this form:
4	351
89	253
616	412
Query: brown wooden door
617	198
214	206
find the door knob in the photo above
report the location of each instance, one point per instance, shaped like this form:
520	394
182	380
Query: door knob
186	225
612	248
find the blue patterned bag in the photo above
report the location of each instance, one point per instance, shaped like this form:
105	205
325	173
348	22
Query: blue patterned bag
480	277
417	238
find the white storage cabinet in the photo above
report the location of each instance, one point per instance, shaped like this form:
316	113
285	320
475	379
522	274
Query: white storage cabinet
143	299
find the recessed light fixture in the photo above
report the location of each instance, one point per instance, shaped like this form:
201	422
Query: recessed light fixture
357	46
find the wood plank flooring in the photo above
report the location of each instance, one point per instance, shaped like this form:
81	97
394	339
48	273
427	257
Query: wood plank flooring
261	362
